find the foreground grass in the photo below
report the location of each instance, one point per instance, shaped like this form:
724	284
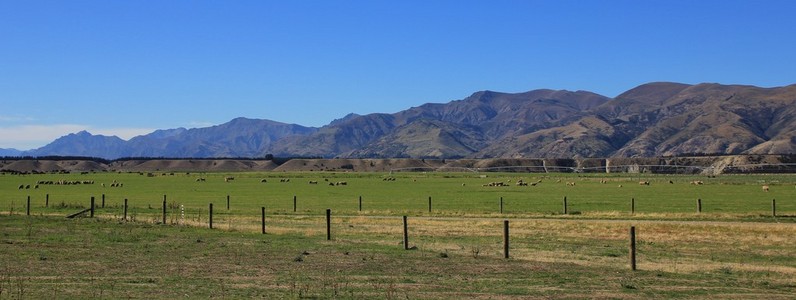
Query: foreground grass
54	257
735	248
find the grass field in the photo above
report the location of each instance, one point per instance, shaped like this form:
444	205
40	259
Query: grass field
451	193
734	248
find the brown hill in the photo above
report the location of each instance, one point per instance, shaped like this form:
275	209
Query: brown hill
667	119
202	165
702	164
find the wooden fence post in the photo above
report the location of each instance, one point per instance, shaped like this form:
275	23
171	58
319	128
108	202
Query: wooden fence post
164	209
47	200
92	207
360	203
429	204
406	235
773	207
263	218
565	205
328	224
27	209
505	238
125	209
632	206
227	202
294	203
633	248
699	205
103	201
211	215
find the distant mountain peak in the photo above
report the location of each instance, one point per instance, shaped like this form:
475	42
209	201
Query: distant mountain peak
652	119
344	119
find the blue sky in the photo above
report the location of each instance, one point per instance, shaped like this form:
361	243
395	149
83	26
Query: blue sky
129	67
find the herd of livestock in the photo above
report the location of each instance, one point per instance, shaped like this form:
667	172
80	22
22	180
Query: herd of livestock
519	182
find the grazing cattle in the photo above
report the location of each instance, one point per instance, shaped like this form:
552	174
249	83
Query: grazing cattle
263	180
313	182
341	183
571	183
603	181
765	188
21	186
284	180
229	178
520	183
671	182
620	185
36	186
331	183
463	184
697	182
643	183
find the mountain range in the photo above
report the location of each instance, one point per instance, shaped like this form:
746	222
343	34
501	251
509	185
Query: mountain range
651	120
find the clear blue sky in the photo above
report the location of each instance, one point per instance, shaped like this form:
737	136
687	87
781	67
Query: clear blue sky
128	67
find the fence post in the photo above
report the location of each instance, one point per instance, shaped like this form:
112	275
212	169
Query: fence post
565	205
47	200
632	206
211	215
633	248
699	205
406	235
360	203
773	207
227	202
263	218
505	238
92	207
27	209
164	209
125	209
103	201
429	204
328	224
294	203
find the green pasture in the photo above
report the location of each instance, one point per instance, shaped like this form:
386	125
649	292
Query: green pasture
454	194
733	249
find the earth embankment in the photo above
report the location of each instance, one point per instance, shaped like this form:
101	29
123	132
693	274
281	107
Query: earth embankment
679	165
